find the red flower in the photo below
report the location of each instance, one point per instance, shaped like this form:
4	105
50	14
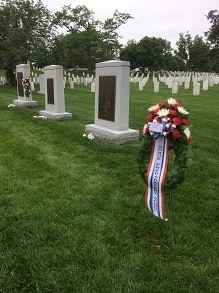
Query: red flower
184	121
176	134
162	104
176	121
150	117
172	112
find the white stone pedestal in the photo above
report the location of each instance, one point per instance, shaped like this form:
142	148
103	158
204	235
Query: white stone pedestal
23	71
54	94
112	103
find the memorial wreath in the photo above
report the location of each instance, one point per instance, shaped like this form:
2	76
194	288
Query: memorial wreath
26	85
166	128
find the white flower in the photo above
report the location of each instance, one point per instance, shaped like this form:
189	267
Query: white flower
40	117
171	101
163	112
84	135
181	110
91	136
187	132
153	108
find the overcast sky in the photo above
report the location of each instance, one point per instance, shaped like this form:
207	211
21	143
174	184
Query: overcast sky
153	18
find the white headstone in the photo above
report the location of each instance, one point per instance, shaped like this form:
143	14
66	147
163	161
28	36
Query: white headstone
72	85
205	85
216	79
186	84
112	103
54	94
32	86
211	82
23	72
156	87
175	87
196	89
93	87
42	84
140	86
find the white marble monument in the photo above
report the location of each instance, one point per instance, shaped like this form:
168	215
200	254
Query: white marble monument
54	94
112	103
23	100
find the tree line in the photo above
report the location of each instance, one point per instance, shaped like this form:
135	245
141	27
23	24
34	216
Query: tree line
73	38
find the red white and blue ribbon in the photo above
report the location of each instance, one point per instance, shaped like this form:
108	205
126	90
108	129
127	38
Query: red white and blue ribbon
155	177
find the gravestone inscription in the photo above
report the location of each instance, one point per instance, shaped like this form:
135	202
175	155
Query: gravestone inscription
20	84
50	91
107	96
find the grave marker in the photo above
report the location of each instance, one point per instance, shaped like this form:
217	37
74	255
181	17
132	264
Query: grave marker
112	103
23	72
54	94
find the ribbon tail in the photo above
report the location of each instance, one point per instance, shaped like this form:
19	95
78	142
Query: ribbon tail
155	177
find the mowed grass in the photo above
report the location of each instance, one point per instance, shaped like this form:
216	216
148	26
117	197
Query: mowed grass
72	213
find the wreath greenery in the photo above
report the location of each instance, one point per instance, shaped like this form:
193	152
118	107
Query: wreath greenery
174	122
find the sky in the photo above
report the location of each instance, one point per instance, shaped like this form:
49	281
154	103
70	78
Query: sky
154	18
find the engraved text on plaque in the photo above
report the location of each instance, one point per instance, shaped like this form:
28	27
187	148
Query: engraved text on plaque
107	97
50	90
20	87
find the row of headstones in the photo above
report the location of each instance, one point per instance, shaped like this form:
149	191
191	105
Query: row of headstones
173	82
111	119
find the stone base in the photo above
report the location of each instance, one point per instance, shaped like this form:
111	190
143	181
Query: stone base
112	136
56	116
25	104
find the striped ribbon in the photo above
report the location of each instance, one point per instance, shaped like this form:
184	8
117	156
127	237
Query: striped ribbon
155	177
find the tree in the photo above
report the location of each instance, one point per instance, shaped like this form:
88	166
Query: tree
25	34
213	36
87	40
193	54
154	53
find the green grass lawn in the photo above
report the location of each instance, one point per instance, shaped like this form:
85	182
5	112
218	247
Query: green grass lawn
71	209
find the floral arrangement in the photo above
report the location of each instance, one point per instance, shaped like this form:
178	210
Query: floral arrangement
26	85
89	136
168	119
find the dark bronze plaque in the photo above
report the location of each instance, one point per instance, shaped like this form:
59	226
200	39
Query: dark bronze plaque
50	90
107	98
20	87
